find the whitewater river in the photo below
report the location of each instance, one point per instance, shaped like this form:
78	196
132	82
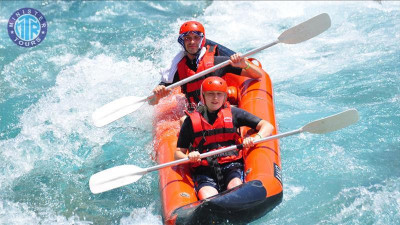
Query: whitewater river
95	52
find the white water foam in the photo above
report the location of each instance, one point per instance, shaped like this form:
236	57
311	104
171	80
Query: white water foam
142	216
291	191
66	109
267	22
19	213
377	204
59	126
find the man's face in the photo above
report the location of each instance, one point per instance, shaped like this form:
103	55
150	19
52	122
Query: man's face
214	99
192	42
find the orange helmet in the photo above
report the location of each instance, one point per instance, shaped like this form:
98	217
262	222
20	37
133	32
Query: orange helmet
213	83
195	27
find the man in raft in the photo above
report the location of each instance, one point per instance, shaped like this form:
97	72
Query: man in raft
212	126
195	57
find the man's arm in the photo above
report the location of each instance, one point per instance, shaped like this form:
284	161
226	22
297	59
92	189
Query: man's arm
252	71
248	68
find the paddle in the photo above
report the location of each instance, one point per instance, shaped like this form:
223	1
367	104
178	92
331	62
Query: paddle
126	174
123	106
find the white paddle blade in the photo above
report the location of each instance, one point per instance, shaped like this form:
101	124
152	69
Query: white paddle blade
306	30
332	123
117	109
115	177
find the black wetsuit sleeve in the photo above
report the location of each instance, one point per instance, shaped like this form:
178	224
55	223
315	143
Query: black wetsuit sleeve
221	50
176	79
226	69
243	118
186	135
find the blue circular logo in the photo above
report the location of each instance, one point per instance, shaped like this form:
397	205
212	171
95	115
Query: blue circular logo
27	27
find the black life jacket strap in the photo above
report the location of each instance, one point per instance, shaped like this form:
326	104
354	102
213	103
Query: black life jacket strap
216	168
211	49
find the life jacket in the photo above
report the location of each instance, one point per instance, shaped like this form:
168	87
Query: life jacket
192	88
209	137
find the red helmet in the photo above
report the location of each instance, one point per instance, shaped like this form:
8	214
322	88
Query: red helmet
213	84
192	26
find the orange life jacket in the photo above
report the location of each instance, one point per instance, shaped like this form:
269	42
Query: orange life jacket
192	88
212	137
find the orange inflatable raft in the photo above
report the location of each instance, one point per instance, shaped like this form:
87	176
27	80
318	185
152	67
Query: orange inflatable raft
262	190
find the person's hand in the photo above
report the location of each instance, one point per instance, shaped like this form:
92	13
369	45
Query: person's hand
194	156
160	91
249	141
237	60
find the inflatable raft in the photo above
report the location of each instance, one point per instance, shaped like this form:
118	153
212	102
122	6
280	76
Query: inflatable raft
262	190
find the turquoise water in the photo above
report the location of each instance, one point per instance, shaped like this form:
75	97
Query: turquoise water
96	52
